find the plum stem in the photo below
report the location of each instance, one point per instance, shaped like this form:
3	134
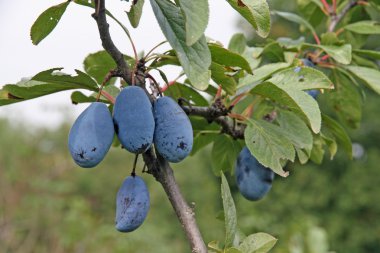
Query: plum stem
110	74
335	19
154	48
133	174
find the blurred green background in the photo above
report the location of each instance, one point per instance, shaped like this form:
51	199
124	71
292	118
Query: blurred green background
48	204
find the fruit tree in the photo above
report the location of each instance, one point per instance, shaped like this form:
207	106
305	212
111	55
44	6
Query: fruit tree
256	103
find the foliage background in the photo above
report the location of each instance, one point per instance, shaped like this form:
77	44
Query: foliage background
47	204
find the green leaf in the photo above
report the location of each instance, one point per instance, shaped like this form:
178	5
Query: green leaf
341	54
367	53
196	14
346	101
232	250
228	58
81	81
296	19
237	43
330	38
258	243
98	65
370	76
195	59
135	12
215	247
296	130
45	83
46	22
224	153
218	74
78	97
269	144
330	141
302	78
248	82
339	132
296	100
364	62
273	52
256	12
303	155
317	152
229	212
364	27
201	140
200	125
289	43
180	90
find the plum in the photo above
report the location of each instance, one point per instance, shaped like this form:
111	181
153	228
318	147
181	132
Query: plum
307	63
133	119
173	135
91	136
253	179
132	204
313	93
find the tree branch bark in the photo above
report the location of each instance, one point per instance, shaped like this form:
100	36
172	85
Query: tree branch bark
337	18
157	166
216	113
107	43
163	173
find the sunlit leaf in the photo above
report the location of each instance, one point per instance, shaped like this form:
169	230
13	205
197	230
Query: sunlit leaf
195	59
256	12
196	14
46	22
364	27
258	243
135	12
229	212
268	143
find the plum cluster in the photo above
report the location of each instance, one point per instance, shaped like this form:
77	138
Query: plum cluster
253	179
138	124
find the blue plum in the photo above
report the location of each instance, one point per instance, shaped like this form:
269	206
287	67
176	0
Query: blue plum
313	93
307	63
173	135
253	179
132	204
133	119
91	136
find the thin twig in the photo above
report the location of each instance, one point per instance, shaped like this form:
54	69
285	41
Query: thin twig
335	19
110	74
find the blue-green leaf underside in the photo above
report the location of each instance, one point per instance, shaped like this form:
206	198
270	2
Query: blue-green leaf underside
195	59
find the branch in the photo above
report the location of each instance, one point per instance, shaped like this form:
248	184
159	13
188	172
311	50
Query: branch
217	113
335	19
108	45
163	173
156	165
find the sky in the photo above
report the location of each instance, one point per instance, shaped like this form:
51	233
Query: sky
73	39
